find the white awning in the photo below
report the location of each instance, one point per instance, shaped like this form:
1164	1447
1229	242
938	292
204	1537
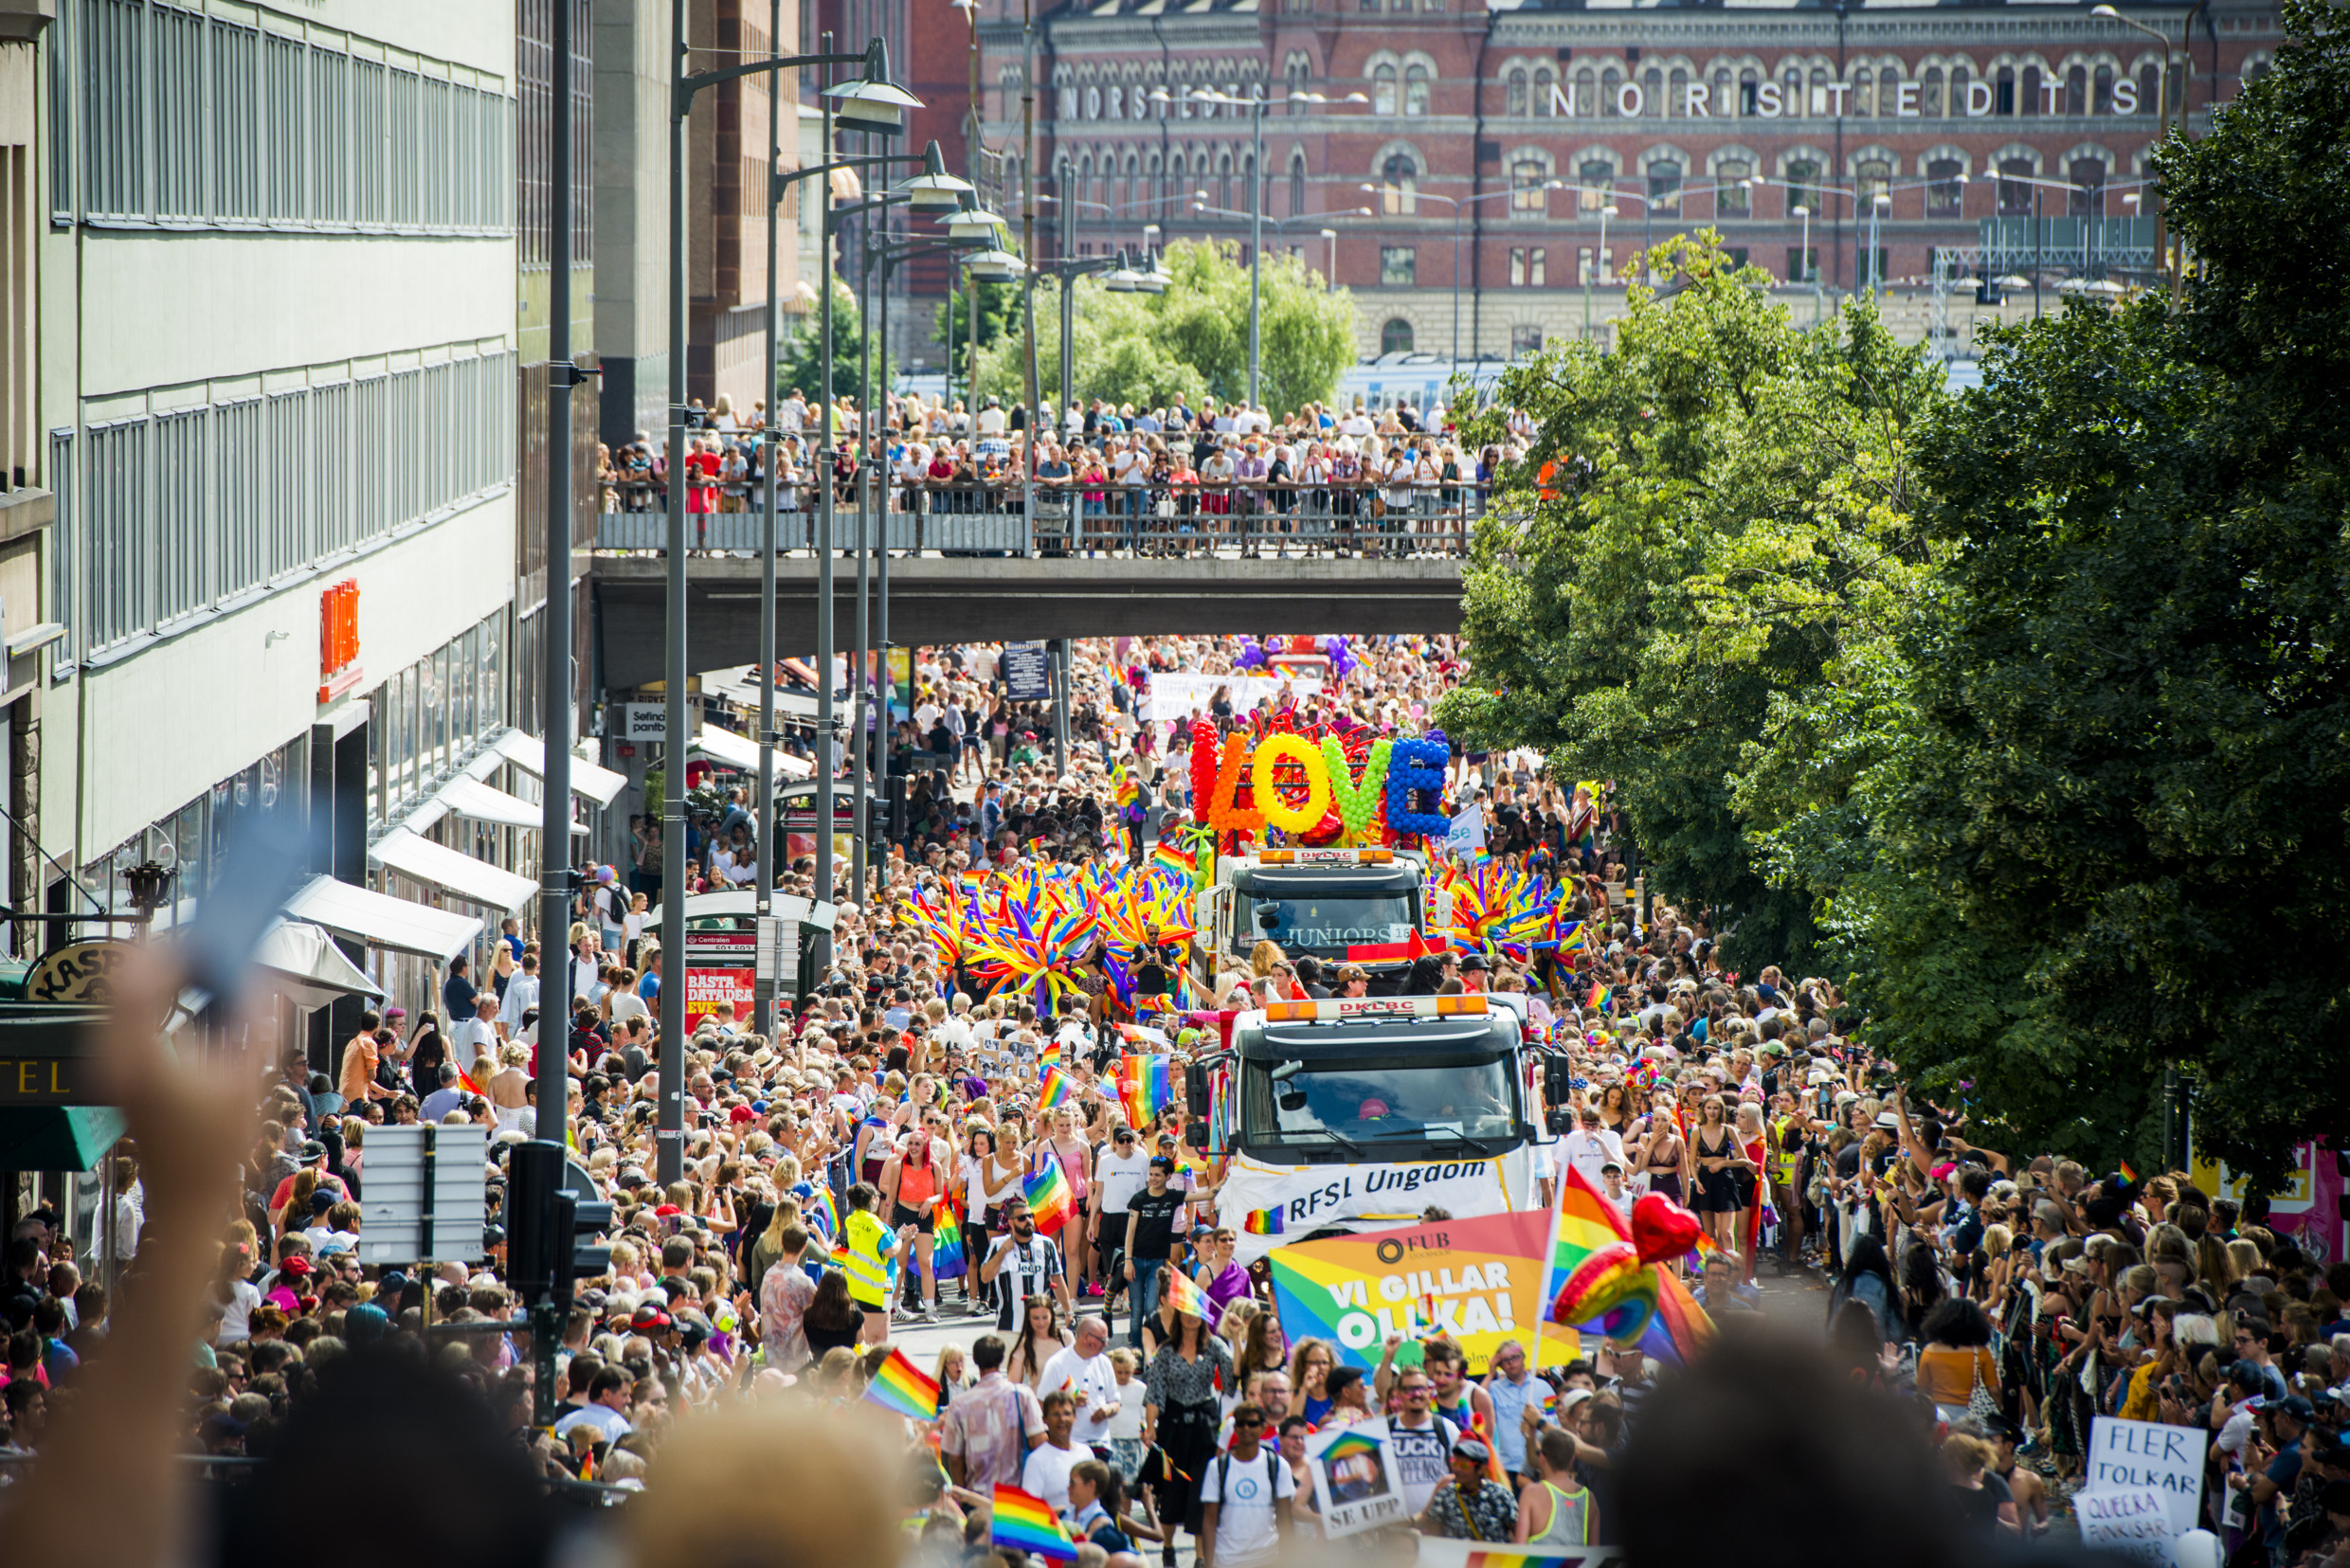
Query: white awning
589	779
472	798
741	688
453	871
382	921
306	966
729	749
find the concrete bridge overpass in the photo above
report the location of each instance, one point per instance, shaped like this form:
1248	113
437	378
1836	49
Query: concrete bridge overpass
935	600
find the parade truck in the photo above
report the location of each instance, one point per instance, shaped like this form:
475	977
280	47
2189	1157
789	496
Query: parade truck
1371	907
1359	1113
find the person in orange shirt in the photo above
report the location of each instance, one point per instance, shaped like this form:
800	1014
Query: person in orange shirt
360	1059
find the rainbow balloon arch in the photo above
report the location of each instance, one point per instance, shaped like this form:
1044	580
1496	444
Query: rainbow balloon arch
1025	928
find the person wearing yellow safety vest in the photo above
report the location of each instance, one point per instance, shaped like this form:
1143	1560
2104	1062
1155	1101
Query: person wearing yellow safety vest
1789	1128
865	1254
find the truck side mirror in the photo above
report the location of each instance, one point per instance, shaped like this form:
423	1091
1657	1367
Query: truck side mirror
1197	1097
1196	1135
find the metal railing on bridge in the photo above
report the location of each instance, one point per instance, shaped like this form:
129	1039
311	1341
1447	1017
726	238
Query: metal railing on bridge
1242	519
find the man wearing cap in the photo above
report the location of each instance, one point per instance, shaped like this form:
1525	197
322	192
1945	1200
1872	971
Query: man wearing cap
1121	1171
2289	1419
1474	973
1591	1148
1472	1505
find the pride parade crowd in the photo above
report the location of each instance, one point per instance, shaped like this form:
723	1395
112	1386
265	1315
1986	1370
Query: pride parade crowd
956	1134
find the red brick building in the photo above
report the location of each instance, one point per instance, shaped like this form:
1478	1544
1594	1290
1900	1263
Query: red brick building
1497	135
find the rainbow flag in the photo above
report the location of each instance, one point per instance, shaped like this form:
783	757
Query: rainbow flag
1050	1198
1262	1222
1679	1327
2127	1175
1517	1557
1353	1441
1187	1296
1587	1223
1027	1524
1145	1086
947	1260
900	1388
1059	1087
1128	790
466	1081
1598	1000
817	1212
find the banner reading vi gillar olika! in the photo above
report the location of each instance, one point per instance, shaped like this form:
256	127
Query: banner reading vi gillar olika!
1479	1280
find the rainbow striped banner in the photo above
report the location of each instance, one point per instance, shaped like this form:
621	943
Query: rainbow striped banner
947	1260
1049	1197
901	1388
1027	1524
1059	1089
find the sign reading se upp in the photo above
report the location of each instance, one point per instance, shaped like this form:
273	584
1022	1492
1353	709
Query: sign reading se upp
2148	1457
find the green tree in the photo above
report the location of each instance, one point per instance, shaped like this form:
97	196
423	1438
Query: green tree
1720	509
801	361
1190	341
2111	825
999	314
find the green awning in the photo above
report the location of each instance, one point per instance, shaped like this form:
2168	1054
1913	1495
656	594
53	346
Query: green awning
57	1138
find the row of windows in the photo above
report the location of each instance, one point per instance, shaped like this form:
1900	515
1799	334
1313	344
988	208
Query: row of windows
429	718
170	514
187	118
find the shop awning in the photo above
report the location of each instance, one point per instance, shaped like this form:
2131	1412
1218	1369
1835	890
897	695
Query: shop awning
592	780
453	871
58	1138
472	798
382	921
729	749
309	968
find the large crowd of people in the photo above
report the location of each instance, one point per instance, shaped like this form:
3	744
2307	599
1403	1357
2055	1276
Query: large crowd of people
1166	479
1999	1299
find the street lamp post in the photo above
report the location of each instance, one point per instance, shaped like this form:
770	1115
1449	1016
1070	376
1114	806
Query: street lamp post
551	1085
1877	204
1598	263
2162	89
1803	256
1460	206
872	104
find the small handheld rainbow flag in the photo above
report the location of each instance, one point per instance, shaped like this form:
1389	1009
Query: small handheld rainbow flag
2127	1175
1049	1198
1598	1000
1059	1087
900	1388
1027	1524
466	1081
946	1242
1187	1296
1262	1222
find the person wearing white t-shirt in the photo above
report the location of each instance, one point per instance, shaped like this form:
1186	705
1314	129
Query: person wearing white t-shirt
1081	1370
1245	1497
1046	1473
1121	1169
1591	1145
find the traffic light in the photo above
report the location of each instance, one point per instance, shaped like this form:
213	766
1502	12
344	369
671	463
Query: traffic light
894	789
544	1224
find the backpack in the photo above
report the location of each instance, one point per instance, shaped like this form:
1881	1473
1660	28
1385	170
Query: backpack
1272	1475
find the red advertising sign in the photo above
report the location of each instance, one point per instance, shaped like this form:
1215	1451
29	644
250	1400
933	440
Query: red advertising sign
706	988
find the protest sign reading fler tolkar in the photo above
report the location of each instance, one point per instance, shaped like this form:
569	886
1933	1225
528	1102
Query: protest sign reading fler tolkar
2147	1455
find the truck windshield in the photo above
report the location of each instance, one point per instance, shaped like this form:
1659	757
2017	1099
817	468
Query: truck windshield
1403	1097
1325	923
